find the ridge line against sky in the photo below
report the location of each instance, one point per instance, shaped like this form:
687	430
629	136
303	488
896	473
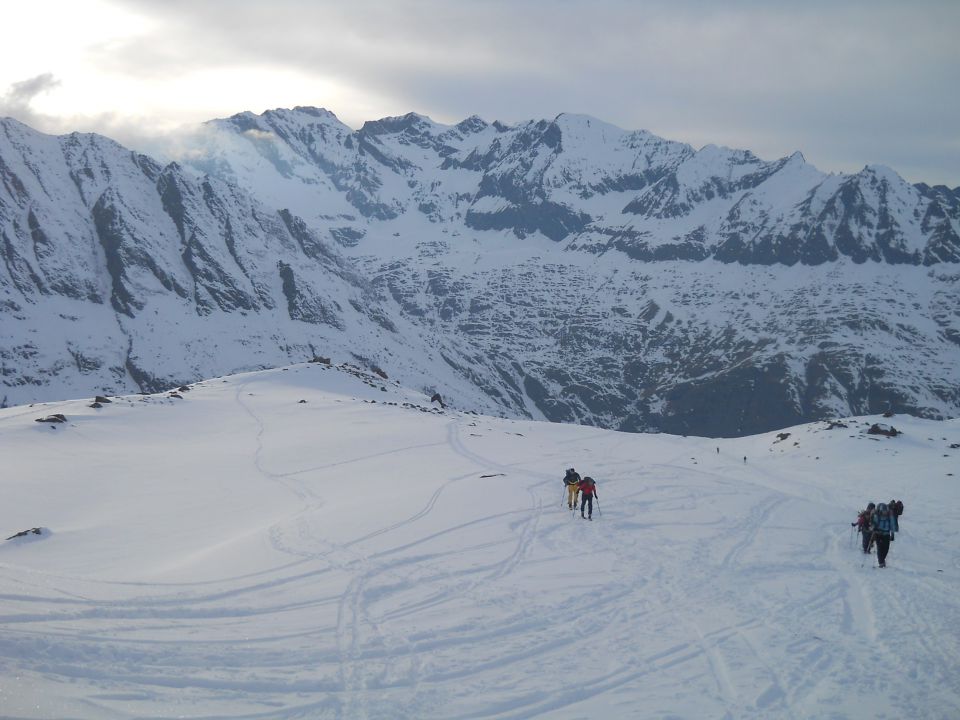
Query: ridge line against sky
846	83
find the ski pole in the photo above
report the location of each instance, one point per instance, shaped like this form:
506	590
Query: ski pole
599	512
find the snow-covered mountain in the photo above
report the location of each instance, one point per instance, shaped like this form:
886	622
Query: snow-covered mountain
562	269
299	543
122	274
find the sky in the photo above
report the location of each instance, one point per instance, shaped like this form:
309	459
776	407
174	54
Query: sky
846	83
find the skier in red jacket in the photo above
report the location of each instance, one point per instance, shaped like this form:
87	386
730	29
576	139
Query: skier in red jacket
588	491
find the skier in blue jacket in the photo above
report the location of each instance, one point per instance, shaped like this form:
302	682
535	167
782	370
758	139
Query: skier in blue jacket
883	525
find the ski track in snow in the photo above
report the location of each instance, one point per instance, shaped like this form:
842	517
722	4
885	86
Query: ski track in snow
707	588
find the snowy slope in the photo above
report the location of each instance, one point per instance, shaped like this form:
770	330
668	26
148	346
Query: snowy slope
235	552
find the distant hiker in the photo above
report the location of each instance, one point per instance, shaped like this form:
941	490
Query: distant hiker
572	481
744	458
863	526
718	451
588	491
883	524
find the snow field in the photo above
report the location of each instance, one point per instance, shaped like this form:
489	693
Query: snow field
237	553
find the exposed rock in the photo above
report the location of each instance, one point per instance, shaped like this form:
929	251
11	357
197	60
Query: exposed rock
55	418
22	533
102	400
881	429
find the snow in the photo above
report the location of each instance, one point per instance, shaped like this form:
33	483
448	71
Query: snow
239	553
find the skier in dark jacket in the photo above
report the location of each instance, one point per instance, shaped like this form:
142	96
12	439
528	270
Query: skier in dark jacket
864	518
572	482
588	491
883	524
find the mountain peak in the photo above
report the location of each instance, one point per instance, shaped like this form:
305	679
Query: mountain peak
316	112
472	124
882	172
398	124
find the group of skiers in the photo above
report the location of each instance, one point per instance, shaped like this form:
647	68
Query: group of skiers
586	488
878	524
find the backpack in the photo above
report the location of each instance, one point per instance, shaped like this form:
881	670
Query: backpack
898	508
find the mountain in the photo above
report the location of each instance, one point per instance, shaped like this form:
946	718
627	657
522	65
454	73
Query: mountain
123	274
297	543
565	270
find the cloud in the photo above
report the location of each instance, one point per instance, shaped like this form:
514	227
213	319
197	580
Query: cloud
22	93
815	76
864	81
255	134
17	101
138	133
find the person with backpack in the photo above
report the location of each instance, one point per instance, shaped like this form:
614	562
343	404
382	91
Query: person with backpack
883	529
863	527
572	482
896	510
588	491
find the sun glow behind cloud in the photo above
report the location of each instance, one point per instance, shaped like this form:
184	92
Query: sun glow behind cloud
61	75
45	36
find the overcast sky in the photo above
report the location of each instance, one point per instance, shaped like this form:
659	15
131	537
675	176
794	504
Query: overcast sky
846	83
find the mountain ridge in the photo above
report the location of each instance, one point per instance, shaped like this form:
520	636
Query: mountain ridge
566	269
